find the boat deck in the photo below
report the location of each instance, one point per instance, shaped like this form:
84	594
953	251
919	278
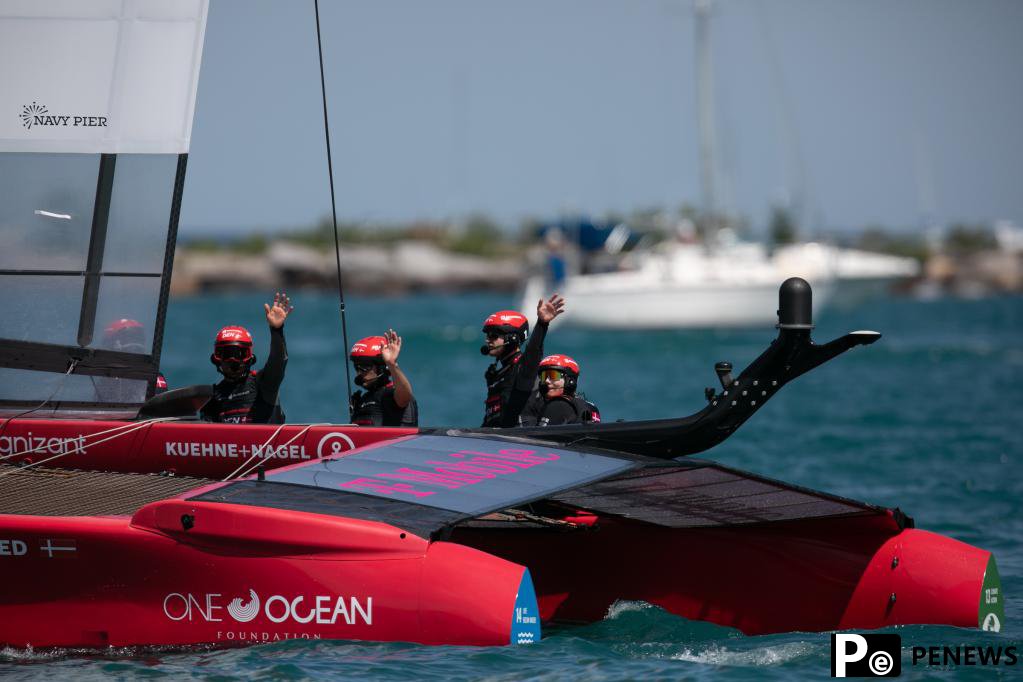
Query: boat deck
39	491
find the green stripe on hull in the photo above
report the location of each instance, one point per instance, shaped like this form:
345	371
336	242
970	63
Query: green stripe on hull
991	610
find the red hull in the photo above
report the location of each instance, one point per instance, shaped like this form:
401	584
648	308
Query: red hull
813	575
244	574
810	575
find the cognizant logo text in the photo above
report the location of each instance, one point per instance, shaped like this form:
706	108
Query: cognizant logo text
29	444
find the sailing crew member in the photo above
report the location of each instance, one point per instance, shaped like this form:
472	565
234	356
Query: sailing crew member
246	396
511	380
387	399
557	401
126	336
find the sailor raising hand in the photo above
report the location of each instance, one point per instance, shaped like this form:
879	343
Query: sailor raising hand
512	377
547	310
245	396
387	398
276	315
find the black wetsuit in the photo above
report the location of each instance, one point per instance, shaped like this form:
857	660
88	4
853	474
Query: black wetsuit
511	381
377	407
253	399
565	409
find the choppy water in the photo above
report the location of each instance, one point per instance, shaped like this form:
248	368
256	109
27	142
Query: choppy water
927	419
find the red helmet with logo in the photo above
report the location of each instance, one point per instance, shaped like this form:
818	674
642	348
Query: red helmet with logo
233	344
369	348
126	335
233	335
511	324
564	364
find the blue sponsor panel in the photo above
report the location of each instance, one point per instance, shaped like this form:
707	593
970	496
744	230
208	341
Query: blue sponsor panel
525	628
465	475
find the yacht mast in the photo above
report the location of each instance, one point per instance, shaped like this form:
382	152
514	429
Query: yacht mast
705	108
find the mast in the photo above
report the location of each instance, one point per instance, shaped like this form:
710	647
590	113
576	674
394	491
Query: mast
705	109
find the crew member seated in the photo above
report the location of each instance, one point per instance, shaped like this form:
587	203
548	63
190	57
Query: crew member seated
387	399
246	396
557	401
512	377
125	335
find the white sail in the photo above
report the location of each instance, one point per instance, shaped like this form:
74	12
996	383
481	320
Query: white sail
110	77
96	107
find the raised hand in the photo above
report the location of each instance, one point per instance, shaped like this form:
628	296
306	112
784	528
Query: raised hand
392	348
278	312
549	309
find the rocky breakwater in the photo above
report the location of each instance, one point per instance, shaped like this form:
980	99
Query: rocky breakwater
403	267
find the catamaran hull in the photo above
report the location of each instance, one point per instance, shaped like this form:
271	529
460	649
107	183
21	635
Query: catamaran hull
810	576
243	575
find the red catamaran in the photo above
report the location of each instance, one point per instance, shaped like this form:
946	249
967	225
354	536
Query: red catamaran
126	521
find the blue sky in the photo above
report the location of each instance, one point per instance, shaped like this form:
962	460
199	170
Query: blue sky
534	108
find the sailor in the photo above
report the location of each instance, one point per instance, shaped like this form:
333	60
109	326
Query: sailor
246	396
557	401
387	399
512	378
125	335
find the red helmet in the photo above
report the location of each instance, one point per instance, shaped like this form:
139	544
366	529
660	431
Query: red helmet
562	362
565	365
507	321
511	324
233	336
369	348
125	335
118	326
233	343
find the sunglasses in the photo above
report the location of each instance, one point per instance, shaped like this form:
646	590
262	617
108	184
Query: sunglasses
551	374
234	354
362	367
493	336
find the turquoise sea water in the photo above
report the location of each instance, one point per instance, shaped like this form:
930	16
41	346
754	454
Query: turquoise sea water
928	419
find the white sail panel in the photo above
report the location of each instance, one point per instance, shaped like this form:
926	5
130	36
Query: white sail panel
100	77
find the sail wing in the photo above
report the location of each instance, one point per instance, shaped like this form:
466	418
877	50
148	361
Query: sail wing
97	101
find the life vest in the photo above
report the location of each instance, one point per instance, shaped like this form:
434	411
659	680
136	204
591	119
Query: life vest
584	411
240	403
377	408
500	384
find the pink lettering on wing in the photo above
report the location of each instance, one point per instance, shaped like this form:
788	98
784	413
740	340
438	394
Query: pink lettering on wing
467	467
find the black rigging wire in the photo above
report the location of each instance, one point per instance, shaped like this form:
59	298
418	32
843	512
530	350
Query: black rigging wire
333	209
